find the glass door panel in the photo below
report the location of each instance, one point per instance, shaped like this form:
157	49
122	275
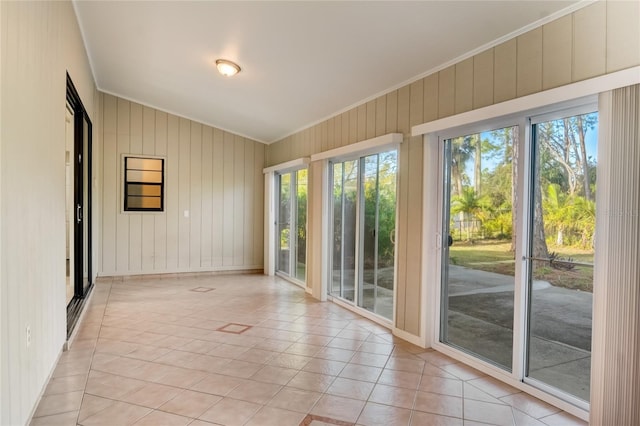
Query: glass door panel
377	236
283	239
363	222
562	252
345	229
478	256
301	225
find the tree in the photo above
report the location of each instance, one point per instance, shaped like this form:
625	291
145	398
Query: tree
468	204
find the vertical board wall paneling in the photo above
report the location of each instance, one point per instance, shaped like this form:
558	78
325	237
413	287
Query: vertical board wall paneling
403	192
371	120
623	34
247	204
381	116
172	200
505	59
184	192
148	221
228	190
557	39
122	221
206	240
195	202
213	195
529	63
238	199
463	86
589	42
483	79
110	176
219	198
135	220
160	221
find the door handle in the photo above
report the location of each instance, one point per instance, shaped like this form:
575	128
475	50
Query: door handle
78	213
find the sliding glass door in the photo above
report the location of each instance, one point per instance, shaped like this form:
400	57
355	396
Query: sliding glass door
478	262
530	313
291	238
561	252
363	208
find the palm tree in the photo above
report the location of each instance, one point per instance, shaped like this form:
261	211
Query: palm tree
469	204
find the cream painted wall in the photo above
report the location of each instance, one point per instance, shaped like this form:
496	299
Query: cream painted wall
41	41
214	175
601	38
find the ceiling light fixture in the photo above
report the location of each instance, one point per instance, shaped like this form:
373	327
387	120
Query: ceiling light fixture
227	68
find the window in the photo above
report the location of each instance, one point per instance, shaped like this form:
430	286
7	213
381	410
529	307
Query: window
143	184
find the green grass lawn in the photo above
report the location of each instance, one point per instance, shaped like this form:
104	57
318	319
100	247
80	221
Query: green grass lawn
495	256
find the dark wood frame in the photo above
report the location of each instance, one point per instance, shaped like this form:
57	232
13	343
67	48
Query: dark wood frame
82	122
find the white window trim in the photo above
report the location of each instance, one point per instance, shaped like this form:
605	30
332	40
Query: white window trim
360	149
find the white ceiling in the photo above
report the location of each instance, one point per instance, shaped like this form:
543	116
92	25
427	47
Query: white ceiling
302	62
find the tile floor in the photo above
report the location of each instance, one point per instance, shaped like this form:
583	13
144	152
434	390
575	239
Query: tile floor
254	350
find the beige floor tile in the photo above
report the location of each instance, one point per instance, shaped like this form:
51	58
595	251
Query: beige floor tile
522	419
311	381
159	418
181	377
339	408
273	374
341	343
432	370
290	361
383	415
488	413
64	419
59	403
295	399
366	358
400	379
493	387
303	349
439	404
190	403
111	386
389	395
257	392
462	371
349	388
66	384
271	416
335	354
258	356
150	355
361	372
118	413
198	422
562	419
91	405
151	395
217	384
241	369
452	387
324	366
230	412
419	418
530	405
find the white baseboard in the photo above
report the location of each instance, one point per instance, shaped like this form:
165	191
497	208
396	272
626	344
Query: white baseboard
214	269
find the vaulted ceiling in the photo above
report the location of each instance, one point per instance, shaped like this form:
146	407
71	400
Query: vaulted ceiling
302	62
